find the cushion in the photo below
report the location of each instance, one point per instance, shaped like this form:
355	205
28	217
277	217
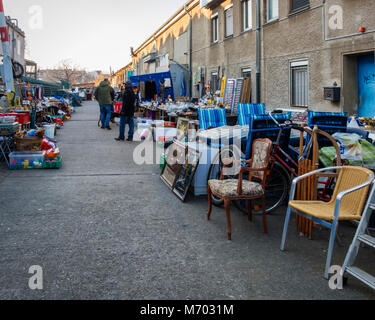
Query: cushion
228	188
245	110
212	118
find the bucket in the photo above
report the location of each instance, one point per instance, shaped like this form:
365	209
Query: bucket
50	130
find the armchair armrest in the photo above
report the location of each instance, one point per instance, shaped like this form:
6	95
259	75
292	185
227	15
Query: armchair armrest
243	169
298	179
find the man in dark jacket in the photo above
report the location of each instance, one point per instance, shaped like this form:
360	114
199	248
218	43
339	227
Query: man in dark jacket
127	113
105	95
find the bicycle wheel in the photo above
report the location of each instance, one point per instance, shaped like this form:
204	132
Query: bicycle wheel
228	152
277	191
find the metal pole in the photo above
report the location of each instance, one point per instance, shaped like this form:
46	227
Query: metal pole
190	50
7	70
258	53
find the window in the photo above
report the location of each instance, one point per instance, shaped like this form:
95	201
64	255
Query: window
299	84
246	73
19	47
229	21
247	15
272	9
299	4
215	28
214	82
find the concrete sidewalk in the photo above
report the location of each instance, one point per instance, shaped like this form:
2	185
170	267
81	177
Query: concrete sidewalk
104	228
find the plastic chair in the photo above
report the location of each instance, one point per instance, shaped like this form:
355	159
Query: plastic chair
330	122
262	126
240	189
212	118
347	202
245	110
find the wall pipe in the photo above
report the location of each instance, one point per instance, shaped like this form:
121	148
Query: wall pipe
258	53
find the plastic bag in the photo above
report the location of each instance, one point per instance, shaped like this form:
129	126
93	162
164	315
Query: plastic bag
350	145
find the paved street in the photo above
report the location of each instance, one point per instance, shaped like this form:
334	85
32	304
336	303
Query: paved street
104	228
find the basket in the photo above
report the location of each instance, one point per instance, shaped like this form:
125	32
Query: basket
54	164
29	143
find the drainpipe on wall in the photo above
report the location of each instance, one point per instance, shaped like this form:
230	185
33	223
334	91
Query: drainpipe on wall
190	51
258	67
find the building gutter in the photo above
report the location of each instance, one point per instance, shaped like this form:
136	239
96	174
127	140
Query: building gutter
259	52
190	50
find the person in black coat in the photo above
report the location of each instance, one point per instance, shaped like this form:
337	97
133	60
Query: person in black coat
127	113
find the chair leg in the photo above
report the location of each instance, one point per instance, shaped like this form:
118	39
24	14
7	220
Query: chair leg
330	249
229	225
209	203
286	225
264	215
250	210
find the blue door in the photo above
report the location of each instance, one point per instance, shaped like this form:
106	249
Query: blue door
366	86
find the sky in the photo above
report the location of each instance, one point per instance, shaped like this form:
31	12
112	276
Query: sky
93	34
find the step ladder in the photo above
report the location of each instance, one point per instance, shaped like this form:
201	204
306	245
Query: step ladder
361	238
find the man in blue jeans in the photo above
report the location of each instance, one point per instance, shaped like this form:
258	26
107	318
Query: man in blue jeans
105	96
127	113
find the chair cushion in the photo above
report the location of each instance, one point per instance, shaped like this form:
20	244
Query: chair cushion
212	118
228	188
245	110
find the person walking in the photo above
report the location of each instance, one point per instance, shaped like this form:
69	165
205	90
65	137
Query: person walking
127	113
105	95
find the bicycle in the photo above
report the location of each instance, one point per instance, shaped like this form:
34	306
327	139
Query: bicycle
283	169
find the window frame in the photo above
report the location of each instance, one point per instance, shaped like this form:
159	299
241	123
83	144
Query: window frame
276	17
245	70
215	28
294	65
226	10
249	15
293	10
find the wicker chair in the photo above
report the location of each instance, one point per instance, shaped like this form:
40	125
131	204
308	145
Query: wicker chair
240	189
347	202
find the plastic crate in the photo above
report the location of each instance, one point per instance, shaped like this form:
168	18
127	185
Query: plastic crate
8	128
26	160
21	118
52	163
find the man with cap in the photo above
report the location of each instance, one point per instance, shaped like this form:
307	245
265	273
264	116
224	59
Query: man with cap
127	113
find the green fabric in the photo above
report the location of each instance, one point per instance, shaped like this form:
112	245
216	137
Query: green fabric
103	94
328	154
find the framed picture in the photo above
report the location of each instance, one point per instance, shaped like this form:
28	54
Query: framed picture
176	155
186	174
183	129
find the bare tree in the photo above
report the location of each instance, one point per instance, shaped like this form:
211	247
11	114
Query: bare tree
64	71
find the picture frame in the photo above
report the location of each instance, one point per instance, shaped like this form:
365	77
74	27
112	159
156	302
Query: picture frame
175	157
186	174
183	125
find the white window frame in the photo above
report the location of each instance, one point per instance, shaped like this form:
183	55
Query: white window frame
215	32
293	65
270	4
249	14
245	70
226	9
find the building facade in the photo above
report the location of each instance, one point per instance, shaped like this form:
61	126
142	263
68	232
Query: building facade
16	42
316	54
121	76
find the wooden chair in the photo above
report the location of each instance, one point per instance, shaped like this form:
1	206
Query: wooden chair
240	189
347	202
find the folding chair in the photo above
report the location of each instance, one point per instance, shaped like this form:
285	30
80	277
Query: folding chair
245	110
212	118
